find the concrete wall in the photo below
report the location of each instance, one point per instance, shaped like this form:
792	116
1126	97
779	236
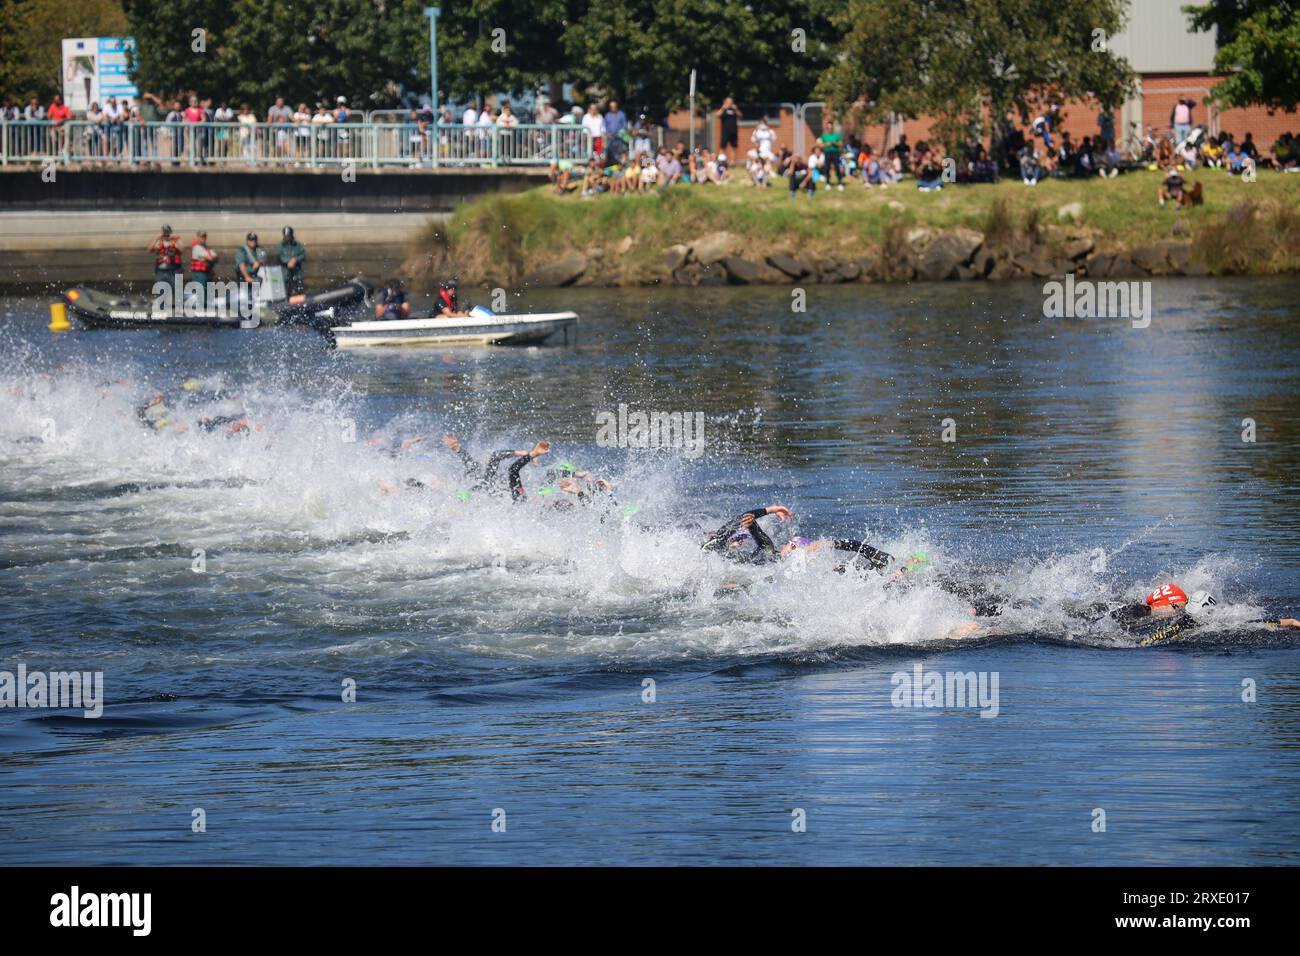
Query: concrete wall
298	190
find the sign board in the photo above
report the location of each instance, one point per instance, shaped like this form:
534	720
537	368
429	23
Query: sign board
95	68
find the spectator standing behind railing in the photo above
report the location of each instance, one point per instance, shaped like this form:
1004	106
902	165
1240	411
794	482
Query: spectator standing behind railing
594	123
615	129
247	133
115	115
545	114
33	112
323	119
343	143
59	114
223	145
152	111
279	116
301	132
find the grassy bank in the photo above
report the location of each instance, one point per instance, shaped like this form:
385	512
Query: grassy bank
1242	227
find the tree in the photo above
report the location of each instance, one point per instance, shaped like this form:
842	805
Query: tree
1259	51
31	41
965	61
644	50
256	50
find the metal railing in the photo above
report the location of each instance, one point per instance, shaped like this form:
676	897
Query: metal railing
289	145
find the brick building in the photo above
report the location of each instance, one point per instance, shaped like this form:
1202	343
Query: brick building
1171	62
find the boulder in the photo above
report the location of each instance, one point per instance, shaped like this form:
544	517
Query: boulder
1153	258
983	262
711	248
868	266
685	275
1180	256
1071	210
712	275
946	252
675	256
850	271
744	272
1078	248
1123	267
965	274
918	237
562	272
1033	265
625	245
794	268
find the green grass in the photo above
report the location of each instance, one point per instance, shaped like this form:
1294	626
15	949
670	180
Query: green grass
1249	227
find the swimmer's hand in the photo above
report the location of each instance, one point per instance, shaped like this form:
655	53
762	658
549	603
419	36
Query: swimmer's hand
541	448
1288	622
451	441
407	443
781	511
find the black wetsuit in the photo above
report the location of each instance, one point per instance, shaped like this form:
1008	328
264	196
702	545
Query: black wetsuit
875	557
484	476
718	541
517	492
1137	619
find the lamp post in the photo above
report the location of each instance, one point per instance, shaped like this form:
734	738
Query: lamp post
433	13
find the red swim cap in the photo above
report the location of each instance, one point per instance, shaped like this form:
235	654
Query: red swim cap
1166	595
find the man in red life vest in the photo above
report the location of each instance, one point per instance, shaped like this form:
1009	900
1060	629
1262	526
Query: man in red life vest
202	260
446	304
167	256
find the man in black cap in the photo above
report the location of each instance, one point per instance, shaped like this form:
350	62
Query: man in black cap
447	305
249	260
167	256
292	255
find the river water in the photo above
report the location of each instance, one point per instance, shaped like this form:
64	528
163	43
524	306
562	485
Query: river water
541	686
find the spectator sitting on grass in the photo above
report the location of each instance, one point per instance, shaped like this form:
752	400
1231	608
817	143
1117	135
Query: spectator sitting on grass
594	183
929	178
1236	160
561	170
799	175
649	174
1212	153
784	162
759	169
1031	170
670	168
1248	147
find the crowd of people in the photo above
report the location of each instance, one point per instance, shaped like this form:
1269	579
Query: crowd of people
624	158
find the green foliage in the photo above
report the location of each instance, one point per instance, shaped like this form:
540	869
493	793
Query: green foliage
965	61
257	50
1259	51
31	35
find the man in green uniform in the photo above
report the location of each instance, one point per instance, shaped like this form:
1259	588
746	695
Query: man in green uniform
292	255
249	260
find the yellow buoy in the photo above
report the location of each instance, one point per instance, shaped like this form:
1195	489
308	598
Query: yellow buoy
59	317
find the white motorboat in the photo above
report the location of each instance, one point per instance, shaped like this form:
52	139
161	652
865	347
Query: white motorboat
480	327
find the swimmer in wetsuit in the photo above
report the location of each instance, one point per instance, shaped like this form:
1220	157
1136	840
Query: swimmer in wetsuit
516	486
484	476
729	540
1166	613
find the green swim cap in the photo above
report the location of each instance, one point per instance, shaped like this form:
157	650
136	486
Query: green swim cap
916	561
566	466
630	510
463	495
546	490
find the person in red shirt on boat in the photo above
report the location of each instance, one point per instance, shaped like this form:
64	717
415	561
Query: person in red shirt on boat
167	256
446	306
202	258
